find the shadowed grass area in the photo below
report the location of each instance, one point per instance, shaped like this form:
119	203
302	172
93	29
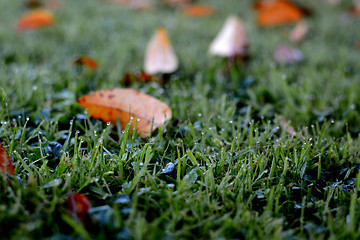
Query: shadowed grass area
237	173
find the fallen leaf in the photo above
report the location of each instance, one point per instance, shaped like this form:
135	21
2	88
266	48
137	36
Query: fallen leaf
52	4
284	54
289	129
277	12
86	61
33	3
5	162
128	78
299	32
176	3
232	39
358	44
159	55
79	205
35	19
141	5
130	106
197	10
355	9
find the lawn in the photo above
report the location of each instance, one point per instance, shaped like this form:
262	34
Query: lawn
223	167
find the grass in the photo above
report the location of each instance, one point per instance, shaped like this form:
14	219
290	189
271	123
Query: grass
237	174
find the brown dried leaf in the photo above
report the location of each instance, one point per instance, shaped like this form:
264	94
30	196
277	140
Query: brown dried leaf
130	106
86	61
5	162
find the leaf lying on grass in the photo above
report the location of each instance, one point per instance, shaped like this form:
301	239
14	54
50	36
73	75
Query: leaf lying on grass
86	61
50	4
5	162
130	106
128	78
79	205
35	19
232	39
277	12
197	10
355	9
160	56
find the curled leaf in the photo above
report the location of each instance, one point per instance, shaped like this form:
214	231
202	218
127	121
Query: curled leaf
277	12
232	39
130	106
197	10
35	19
160	56
5	162
86	61
79	205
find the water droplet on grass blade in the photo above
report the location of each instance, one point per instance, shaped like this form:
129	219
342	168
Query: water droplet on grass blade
168	168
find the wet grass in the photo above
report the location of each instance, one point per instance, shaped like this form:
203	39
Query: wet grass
221	168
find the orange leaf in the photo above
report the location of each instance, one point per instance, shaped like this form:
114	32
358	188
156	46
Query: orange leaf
5	162
130	106
138	77
35	19
355	9
86	61
358	44
299	32
159	54
232	39
79	205
197	10
272	13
